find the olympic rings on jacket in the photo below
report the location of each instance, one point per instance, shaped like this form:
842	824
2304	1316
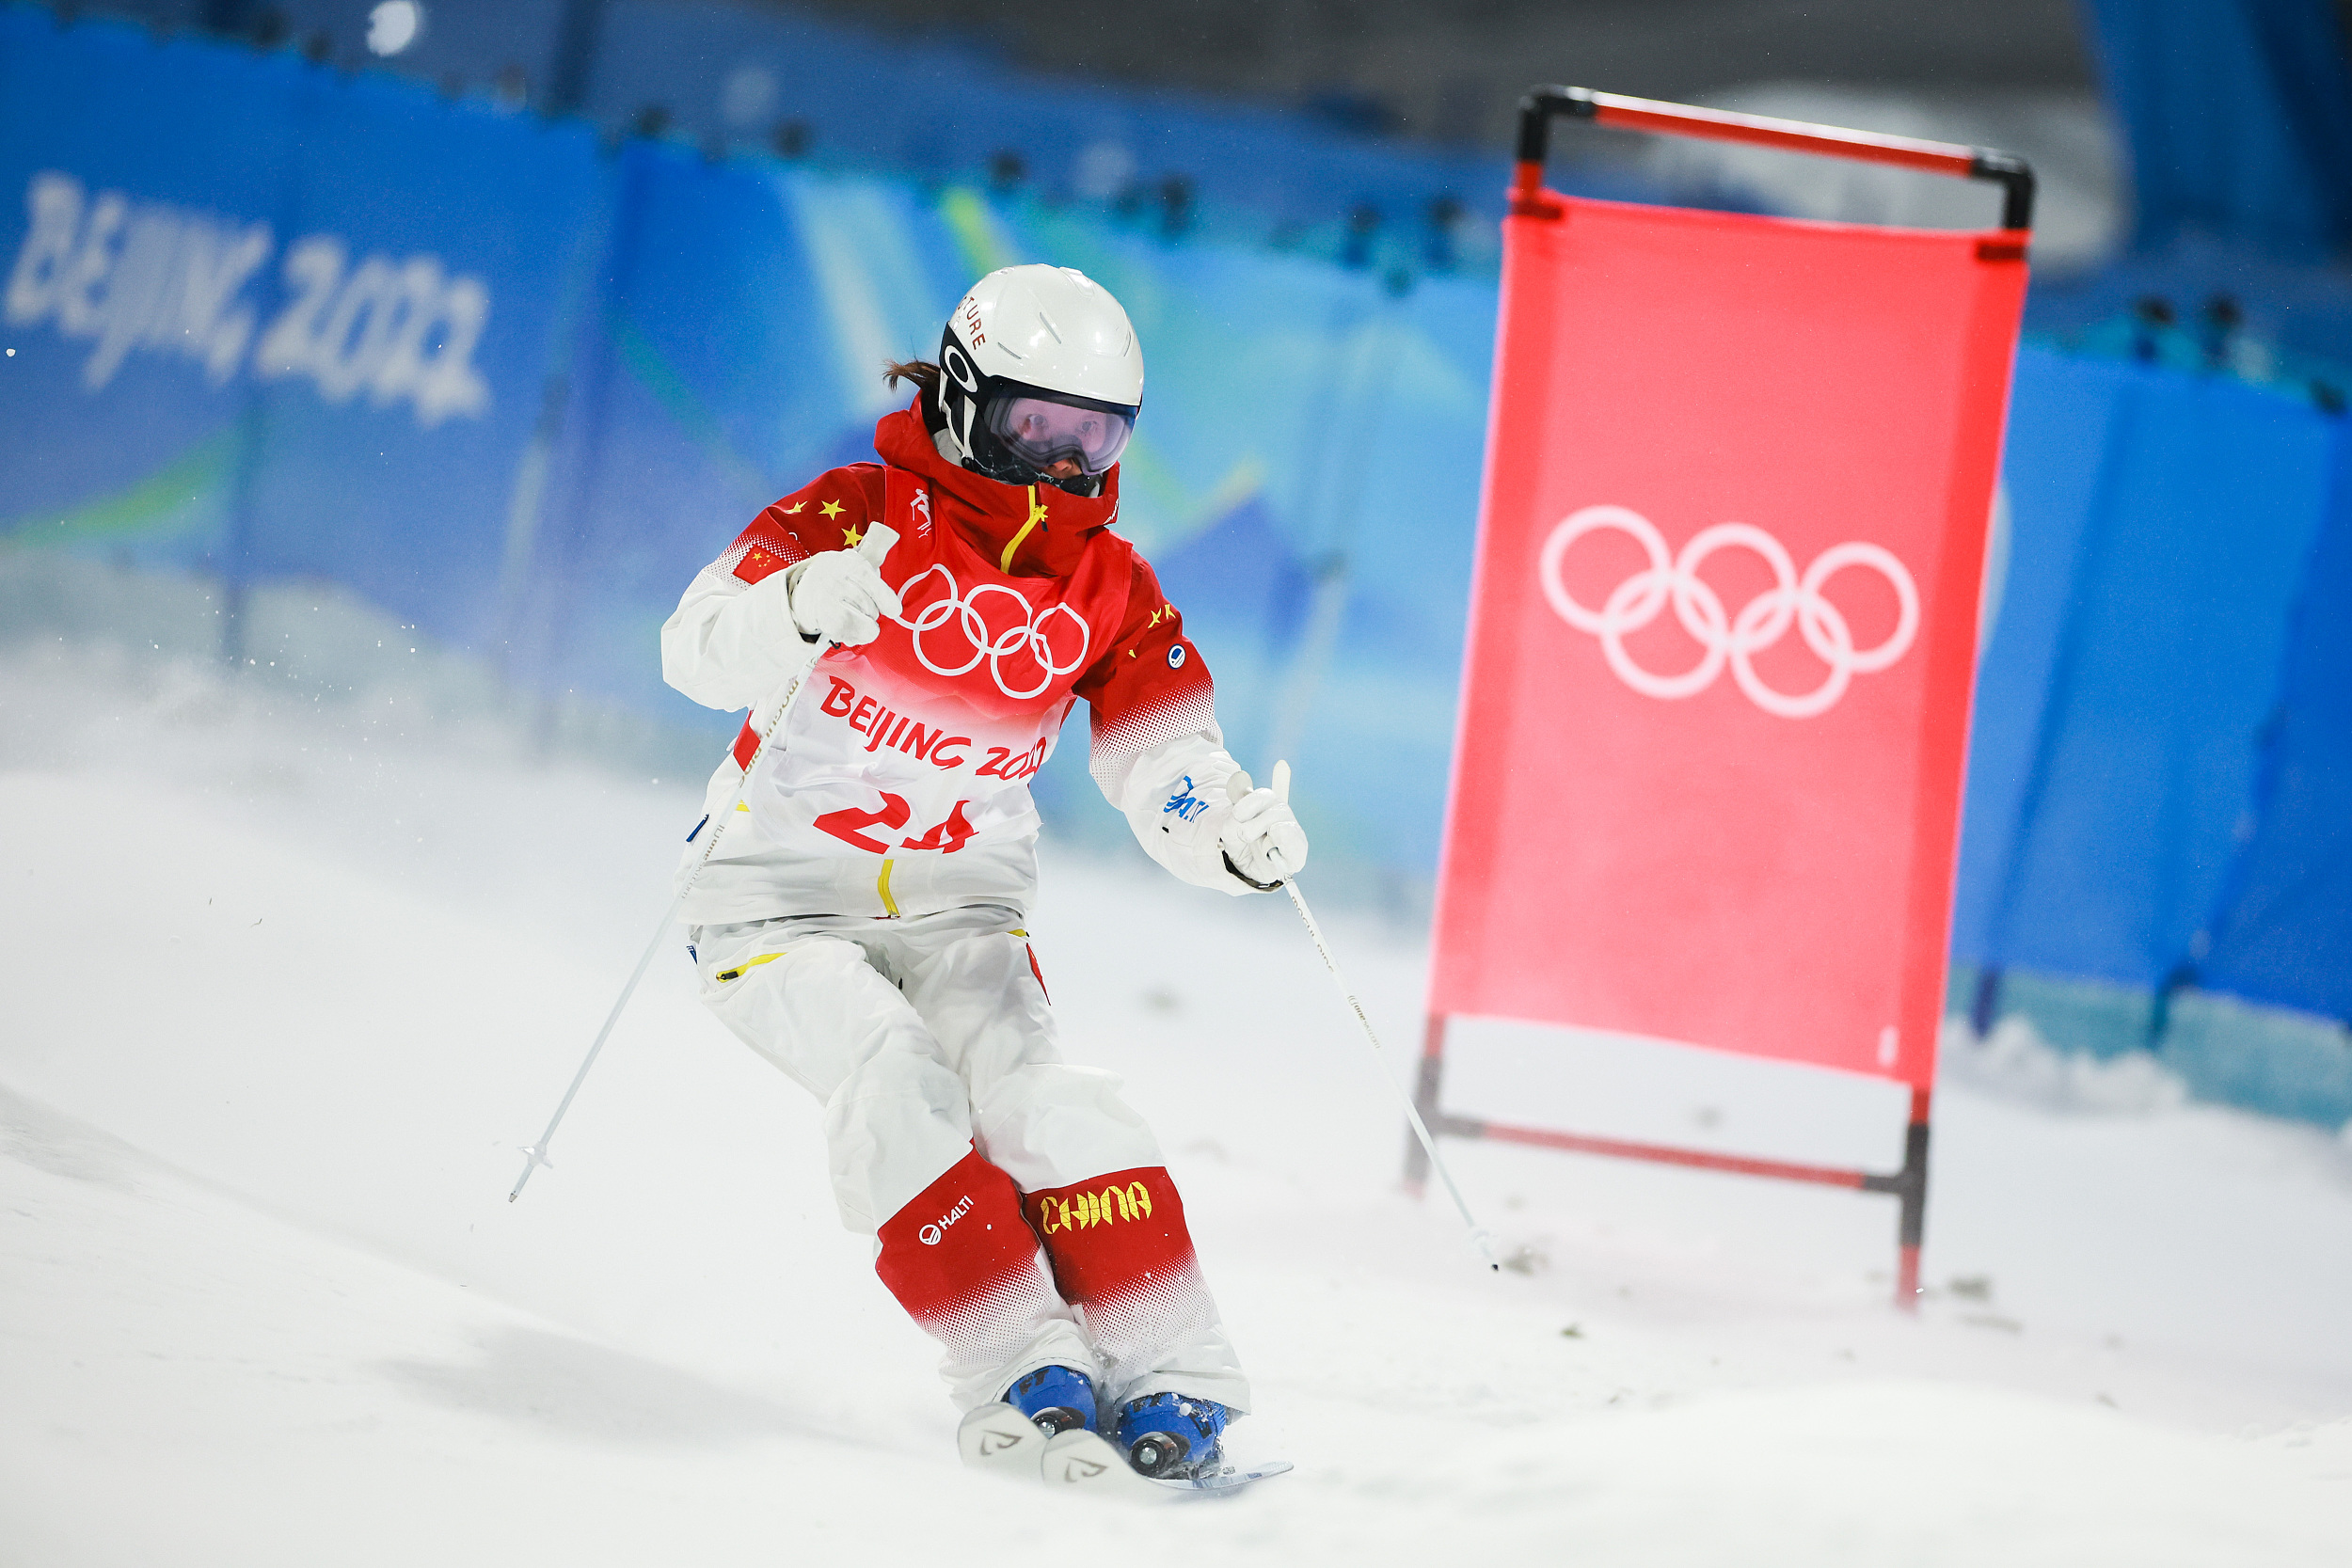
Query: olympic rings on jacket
963	607
1761	622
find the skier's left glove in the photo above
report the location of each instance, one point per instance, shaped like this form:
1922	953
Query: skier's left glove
1263	844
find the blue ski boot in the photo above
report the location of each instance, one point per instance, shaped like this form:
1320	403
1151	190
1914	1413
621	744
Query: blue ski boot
1169	1438
1058	1399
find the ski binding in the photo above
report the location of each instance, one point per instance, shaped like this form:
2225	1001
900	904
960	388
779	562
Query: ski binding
1000	1438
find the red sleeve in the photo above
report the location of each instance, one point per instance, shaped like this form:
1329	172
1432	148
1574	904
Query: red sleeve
826	513
1152	686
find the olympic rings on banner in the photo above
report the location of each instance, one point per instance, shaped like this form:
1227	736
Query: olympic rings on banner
1734	638
963	608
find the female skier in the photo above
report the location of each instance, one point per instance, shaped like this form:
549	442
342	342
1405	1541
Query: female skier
862	926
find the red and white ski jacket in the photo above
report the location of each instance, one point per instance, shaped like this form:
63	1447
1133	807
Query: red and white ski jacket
897	785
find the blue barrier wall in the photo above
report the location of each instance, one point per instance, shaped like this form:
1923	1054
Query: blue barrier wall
2283	930
2162	526
273	322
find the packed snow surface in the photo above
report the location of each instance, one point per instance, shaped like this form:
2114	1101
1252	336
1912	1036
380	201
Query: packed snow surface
288	980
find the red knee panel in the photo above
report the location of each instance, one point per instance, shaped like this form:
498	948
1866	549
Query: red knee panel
964	1264
1113	1235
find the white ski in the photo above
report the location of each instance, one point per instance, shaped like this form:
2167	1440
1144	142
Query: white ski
998	1438
1233	1477
1084	1459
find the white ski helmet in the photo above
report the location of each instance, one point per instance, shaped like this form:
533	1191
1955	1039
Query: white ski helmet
1039	364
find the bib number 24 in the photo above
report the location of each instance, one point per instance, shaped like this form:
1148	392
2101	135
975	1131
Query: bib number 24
850	824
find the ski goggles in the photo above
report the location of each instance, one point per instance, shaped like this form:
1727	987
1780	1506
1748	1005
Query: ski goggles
1043	428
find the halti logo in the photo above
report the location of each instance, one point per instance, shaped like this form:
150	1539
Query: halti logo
1184	803
1081	1210
930	1234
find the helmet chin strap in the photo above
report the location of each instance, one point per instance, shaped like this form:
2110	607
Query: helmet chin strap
949	448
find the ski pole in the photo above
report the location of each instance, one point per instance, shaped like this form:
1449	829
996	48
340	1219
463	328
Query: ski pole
873	547
1480	1236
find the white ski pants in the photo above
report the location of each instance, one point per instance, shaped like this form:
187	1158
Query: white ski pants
1021	1212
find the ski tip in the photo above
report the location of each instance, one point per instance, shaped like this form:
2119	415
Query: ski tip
1230	1480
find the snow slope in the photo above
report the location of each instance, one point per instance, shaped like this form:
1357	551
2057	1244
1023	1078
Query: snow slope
284	982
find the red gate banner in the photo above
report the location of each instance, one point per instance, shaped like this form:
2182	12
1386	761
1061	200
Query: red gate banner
1723	629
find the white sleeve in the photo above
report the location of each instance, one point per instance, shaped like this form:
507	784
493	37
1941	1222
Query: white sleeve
1173	797
731	644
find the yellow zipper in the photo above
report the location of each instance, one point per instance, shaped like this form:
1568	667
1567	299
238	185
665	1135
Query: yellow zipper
1036	516
737	972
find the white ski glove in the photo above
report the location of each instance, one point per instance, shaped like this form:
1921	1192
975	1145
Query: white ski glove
1263	844
840	597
